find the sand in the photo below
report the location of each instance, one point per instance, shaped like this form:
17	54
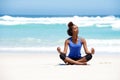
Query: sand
50	67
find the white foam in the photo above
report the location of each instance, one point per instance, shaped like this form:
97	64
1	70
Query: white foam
28	49
85	21
102	45
104	42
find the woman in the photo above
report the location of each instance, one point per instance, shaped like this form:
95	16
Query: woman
75	43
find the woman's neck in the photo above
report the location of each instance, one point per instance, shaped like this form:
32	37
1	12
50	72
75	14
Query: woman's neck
74	38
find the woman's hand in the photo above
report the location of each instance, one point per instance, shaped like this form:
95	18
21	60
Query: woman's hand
92	50
59	49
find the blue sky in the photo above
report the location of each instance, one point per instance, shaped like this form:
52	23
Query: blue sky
59	7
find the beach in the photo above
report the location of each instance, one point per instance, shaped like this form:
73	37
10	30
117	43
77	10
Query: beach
32	30
48	66
28	48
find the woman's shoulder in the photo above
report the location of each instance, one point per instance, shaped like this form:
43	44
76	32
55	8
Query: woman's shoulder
82	39
68	40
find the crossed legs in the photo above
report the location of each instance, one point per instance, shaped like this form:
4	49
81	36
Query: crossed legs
82	61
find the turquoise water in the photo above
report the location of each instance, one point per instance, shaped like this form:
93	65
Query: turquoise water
32	34
48	33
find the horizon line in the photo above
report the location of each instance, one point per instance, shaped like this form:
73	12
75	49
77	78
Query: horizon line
44	15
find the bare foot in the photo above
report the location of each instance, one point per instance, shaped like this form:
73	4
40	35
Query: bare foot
81	63
92	50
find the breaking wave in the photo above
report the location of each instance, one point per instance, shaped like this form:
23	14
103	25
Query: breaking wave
100	45
107	21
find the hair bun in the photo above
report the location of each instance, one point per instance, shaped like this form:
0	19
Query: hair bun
70	24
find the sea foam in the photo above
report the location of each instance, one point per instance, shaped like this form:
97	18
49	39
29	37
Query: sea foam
102	45
83	21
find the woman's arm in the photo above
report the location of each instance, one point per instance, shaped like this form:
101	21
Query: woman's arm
86	48
65	47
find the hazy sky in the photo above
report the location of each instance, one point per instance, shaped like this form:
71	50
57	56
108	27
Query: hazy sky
59	7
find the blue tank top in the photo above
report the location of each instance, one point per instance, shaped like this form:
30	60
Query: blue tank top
75	49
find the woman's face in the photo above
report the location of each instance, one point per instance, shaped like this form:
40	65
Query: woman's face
75	29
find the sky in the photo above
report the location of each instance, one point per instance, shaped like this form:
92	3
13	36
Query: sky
59	7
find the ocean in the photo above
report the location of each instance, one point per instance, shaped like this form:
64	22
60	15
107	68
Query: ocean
46	33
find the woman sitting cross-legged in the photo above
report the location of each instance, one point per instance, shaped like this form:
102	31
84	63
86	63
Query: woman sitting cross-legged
75	43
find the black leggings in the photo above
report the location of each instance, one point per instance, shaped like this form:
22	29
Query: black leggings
88	57
62	56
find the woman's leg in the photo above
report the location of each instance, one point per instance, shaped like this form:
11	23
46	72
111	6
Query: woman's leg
70	61
85	58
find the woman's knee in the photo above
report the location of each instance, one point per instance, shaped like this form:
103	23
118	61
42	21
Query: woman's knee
62	56
88	57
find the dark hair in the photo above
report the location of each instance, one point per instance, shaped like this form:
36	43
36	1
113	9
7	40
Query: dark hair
69	31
